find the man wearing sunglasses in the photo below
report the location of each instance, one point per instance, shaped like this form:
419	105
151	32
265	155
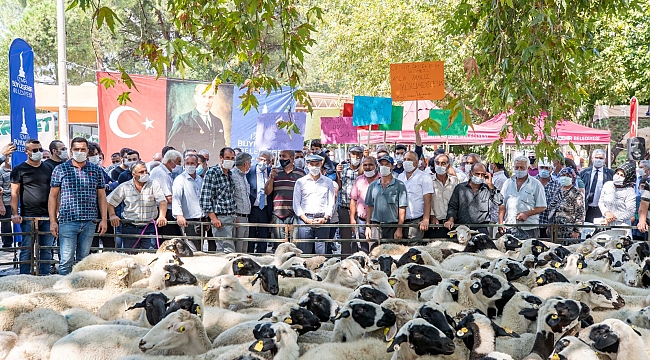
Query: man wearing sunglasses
471	200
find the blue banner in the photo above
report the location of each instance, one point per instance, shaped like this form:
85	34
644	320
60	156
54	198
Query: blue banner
244	127
21	98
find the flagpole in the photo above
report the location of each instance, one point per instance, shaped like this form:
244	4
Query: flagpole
64	134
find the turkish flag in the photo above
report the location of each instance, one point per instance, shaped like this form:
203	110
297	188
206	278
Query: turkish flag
140	124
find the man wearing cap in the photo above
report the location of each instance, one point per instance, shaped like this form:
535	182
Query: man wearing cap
551	189
386	203
313	204
419	189
346	175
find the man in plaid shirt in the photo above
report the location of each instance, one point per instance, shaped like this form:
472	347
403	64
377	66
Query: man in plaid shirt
217	200
346	175
80	186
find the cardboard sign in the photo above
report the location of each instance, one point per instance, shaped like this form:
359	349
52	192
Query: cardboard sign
370	110
396	120
269	137
417	81
338	130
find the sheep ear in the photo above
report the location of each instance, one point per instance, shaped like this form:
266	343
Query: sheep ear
394	344
344	314
450	321
452	233
266	316
282	273
529	314
499	331
151	262
136	305
255	278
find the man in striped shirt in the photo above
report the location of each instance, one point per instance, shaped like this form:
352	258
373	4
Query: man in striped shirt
281	184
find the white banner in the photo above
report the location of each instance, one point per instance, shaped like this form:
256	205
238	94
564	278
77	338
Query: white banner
45	125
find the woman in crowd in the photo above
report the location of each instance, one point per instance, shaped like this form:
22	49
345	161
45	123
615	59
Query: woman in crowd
568	206
617	198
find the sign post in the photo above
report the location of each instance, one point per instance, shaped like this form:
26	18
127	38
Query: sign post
21	99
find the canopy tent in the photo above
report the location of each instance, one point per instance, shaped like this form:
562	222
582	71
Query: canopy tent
488	132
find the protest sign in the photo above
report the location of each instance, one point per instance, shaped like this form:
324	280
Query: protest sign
371	110
417	81
338	130
270	137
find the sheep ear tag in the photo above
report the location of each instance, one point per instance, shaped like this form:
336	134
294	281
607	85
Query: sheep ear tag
259	346
288	321
205	288
579	265
540	280
557	265
555	357
241	265
390	342
619	246
167	276
391	282
414	257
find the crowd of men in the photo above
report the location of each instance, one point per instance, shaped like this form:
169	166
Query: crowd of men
134	201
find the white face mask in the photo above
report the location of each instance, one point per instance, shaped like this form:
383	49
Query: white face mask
384	170
640	172
399	158
64	155
228	164
355	162
94	159
441	170
520	174
79	156
618	179
370	174
565	181
299	163
477	180
37	156
408	166
314	170
190	169
599	163
129	163
143	178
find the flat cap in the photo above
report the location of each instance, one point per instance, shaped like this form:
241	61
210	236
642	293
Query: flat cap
387	158
313	157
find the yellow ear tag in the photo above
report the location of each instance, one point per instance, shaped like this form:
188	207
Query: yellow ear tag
555	357
288	321
177	262
181	329
414	257
386	330
390	342
539	248
554	316
540	280
632	326
580	266
205	288
451	235
618	246
464	330
120	272
557	265
198	310
167	276
259	346
240	264
507	330
391	282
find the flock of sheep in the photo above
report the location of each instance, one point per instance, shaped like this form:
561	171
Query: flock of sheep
474	299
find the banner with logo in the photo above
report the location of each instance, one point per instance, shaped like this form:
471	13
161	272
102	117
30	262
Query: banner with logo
45	126
21	98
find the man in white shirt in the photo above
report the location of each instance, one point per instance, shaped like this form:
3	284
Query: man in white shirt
419	190
313	204
186	191
171	165
523	199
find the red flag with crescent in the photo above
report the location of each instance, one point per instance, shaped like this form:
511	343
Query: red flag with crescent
139	124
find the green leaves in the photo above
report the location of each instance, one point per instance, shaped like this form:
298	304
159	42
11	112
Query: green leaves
124	97
428	125
106	15
290	127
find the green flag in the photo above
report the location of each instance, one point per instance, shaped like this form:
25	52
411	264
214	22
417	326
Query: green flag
395	120
440	116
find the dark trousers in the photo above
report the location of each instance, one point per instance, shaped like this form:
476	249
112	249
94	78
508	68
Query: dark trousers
107	241
7	240
592	213
345	232
385	232
437	233
130	242
259	216
311	233
170	230
193	230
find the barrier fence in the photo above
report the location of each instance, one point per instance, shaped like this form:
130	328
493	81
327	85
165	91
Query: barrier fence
290	235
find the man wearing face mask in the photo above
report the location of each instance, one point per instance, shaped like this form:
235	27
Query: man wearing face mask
551	190
260	212
59	153
313	204
523	199
299	160
30	186
329	165
346	175
533	169
419	190
131	158
278	190
471	201
242	198
358	209
386	201
400	150
78	197
186	191
164	176
143	201
594	177
443	187
115	173
218	202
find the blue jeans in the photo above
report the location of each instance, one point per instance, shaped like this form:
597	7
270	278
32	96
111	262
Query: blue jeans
75	237
43	240
129	242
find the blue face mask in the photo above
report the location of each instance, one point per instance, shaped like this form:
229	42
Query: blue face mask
545	174
200	170
261	166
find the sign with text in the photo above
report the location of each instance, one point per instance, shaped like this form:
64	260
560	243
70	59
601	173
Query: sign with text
370	110
270	137
396	120
417	81
338	130
21	98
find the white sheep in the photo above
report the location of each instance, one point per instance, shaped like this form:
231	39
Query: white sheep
25	284
345	273
337	292
363	349
572	348
217	320
78	318
37	332
225	291
640	318
602	336
511	319
87	279
347	328
98	261
7	341
594	293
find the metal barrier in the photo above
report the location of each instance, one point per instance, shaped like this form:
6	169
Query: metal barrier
289	230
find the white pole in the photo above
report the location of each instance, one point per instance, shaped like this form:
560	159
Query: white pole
64	134
609	156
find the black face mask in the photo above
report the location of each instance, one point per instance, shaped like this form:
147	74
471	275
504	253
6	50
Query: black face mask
284	163
532	160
